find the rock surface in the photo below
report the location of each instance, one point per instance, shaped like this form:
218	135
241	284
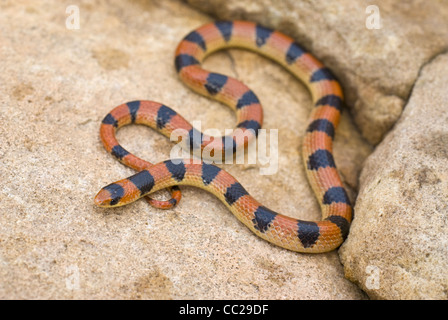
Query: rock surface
398	243
376	66
57	84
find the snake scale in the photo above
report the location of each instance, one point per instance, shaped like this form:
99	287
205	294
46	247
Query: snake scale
293	234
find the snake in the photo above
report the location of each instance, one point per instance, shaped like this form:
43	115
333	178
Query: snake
282	230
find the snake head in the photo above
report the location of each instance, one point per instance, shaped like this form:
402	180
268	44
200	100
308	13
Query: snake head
116	194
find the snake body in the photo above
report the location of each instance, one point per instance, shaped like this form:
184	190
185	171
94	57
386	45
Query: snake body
293	234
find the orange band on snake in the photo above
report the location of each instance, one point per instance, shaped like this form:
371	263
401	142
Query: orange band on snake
293	234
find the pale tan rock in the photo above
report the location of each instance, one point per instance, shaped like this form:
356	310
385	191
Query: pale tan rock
58	84
377	67
398	243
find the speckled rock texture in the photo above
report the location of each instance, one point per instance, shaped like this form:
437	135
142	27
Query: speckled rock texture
376	66
398	244
58	83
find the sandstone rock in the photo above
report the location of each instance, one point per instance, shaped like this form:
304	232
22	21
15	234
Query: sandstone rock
398	243
377	67
57	84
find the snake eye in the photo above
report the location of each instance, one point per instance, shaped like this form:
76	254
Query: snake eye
109	196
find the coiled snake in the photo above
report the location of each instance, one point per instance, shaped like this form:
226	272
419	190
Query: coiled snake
297	235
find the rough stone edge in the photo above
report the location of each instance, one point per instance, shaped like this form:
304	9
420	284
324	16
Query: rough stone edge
361	283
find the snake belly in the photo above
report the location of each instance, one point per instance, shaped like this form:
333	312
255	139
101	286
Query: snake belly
298	235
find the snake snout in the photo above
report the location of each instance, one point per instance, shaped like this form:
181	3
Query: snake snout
103	199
